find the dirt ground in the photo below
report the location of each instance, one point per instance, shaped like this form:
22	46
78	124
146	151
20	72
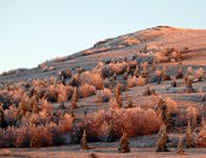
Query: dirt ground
101	152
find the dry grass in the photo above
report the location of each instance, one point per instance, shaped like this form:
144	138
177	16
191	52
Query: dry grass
134	122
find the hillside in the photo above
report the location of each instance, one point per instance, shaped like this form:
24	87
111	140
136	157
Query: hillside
125	46
141	85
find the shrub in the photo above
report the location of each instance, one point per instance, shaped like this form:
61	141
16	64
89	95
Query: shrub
64	92
134	122
64	74
104	95
148	91
75	80
164	74
86	90
179	74
50	93
132	64
141	81
201	138
176	55
162	141
191	114
103	69
24	105
29	134
52	90
171	104
132	81
75	97
114	103
65	124
162	57
199	74
189	137
23	137
145	69
190	71
92	78
11	115
57	136
119	67
8	137
130	104
83	143
124	144
46	107
40	137
5	153
168	54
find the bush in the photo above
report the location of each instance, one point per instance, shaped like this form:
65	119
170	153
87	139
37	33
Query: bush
118	68
171	104
141	81
199	74
92	78
134	122
103	69
168	55
65	124
24	105
46	107
86	90
192	114
64	92
31	135
23	137
104	95
201	138
162	57
132	64
40	137
132	81
114	103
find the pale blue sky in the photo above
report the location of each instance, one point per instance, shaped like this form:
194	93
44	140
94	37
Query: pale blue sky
32	31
